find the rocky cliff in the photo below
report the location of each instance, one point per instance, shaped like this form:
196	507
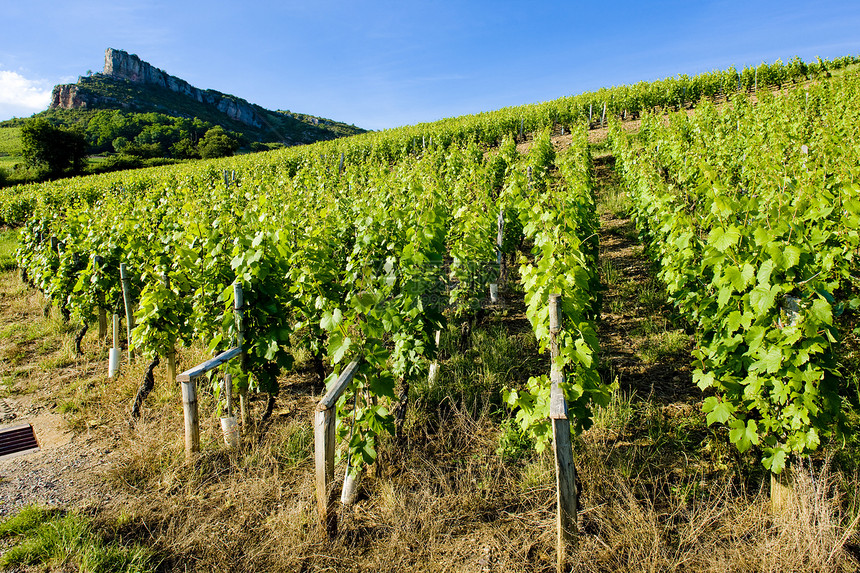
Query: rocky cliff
66	96
134	86
120	65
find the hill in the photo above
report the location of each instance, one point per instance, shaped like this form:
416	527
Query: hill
135	115
131	84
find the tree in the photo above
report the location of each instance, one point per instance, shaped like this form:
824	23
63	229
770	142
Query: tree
184	149
51	149
216	143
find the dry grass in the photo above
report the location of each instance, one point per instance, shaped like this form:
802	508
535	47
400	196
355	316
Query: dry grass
726	530
447	502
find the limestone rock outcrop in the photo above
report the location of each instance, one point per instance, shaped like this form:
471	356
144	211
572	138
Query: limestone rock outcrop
66	96
121	65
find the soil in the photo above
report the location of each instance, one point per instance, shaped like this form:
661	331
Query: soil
66	470
667	381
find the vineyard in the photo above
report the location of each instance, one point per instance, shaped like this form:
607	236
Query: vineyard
437	298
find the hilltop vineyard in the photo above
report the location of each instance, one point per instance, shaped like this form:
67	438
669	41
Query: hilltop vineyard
658	280
365	247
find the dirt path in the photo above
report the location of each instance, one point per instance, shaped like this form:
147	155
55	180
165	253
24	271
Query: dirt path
65	471
643	343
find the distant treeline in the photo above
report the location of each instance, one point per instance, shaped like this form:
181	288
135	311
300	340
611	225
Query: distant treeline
123	139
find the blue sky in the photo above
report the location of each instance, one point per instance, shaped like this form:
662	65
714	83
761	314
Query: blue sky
384	64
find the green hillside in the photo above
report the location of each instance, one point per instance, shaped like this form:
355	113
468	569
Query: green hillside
278	126
131	125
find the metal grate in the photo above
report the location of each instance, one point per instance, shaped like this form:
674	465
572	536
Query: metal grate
17	441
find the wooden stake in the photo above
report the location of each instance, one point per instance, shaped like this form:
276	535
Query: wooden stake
126	297
192	422
565	470
603	115
188	381
103	328
100	302
238	305
324	426
325	418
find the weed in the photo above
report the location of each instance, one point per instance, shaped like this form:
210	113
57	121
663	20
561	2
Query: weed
473	379
514	444
68	406
661	346
293	445
609	275
613	418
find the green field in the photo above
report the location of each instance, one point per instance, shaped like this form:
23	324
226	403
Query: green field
10	141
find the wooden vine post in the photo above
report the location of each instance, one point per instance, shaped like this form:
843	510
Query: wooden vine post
126	297
500	236
188	381
325	420
171	352
98	261
238	306
565	470
103	324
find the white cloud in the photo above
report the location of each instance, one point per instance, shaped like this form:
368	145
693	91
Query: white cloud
21	96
